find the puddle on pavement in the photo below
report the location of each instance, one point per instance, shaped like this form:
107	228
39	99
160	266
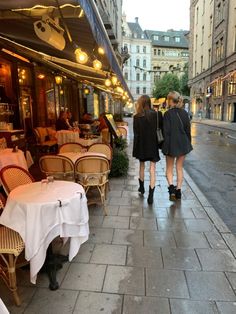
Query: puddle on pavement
219	133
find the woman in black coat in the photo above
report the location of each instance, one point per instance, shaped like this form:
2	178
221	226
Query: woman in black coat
145	142
177	142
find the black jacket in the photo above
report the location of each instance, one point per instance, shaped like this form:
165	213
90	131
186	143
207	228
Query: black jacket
145	137
177	133
61	125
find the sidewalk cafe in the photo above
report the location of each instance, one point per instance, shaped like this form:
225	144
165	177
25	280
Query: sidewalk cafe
60	87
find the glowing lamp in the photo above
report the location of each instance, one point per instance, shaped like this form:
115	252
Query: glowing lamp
101	51
107	82
86	91
41	76
81	56
114	80
58	79
97	65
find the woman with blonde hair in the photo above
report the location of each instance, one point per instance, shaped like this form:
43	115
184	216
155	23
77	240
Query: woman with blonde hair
177	142
145	146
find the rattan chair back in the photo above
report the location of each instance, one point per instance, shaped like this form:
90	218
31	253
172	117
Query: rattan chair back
71	147
14	176
102	149
60	167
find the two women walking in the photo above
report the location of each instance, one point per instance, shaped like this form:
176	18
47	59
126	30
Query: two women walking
176	145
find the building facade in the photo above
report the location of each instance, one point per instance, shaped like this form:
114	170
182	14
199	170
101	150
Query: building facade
137	68
212	69
169	52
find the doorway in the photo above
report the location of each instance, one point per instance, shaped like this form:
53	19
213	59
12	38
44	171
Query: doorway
234	117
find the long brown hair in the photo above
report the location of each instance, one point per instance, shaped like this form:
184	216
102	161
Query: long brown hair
143	103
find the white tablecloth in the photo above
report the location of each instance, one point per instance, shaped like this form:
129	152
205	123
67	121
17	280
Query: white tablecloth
8	157
41	212
3	309
66	136
73	156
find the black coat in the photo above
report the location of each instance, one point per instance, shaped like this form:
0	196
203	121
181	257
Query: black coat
177	133
61	125
145	137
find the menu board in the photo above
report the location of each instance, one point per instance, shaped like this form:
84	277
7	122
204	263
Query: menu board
112	125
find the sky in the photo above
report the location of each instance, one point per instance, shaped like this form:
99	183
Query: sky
158	14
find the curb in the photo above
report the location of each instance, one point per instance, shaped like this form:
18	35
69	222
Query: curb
215	126
219	224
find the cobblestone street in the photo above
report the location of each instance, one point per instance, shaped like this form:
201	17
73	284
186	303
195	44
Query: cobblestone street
167	258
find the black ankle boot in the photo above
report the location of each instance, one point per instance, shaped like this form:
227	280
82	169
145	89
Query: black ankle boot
150	195
172	190
178	194
141	187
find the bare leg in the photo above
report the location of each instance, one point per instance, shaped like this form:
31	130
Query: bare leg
169	169
152	174
141	170
179	171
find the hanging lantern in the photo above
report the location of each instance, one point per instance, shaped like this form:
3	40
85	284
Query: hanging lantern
101	51
40	76
107	82
97	65
58	79
86	91
81	56
114	80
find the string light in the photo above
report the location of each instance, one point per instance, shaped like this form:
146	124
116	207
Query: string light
114	80
81	56
58	79
97	65
107	82
101	51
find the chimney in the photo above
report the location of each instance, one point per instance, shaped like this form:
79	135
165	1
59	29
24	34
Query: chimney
136	20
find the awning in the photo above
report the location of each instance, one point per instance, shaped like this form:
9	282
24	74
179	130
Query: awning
87	32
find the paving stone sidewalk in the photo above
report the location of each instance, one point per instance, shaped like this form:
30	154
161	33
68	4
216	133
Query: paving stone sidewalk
217	124
167	258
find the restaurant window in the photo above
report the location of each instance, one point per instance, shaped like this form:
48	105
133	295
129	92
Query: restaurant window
137	77
218	88
137	62
232	85
144	90
137	90
144	63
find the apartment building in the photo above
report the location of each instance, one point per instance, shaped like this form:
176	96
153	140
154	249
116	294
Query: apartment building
212	68
137	68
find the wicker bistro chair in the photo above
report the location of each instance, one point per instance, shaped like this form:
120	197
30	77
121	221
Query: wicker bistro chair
60	167
14	176
71	147
3	143
11	246
93	171
102	149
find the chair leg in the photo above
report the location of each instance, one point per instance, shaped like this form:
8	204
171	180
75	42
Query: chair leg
12	278
102	191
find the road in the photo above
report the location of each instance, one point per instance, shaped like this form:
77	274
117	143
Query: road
212	165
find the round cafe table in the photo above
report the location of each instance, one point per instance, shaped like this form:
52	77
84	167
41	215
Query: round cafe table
40	212
8	157
67	136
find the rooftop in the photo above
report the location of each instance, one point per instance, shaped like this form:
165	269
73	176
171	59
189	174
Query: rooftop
170	38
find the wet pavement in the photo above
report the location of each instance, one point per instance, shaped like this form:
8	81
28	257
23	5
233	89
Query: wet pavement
166	258
212	165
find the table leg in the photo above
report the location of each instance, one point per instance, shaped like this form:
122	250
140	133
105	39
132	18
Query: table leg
52	264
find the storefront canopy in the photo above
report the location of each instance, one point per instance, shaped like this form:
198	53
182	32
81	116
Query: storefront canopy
83	23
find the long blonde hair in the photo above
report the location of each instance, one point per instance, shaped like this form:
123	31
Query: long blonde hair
143	103
176	98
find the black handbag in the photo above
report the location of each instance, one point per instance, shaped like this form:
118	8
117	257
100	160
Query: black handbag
160	137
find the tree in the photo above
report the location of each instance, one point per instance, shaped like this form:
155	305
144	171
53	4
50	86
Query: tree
185	90
169	82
